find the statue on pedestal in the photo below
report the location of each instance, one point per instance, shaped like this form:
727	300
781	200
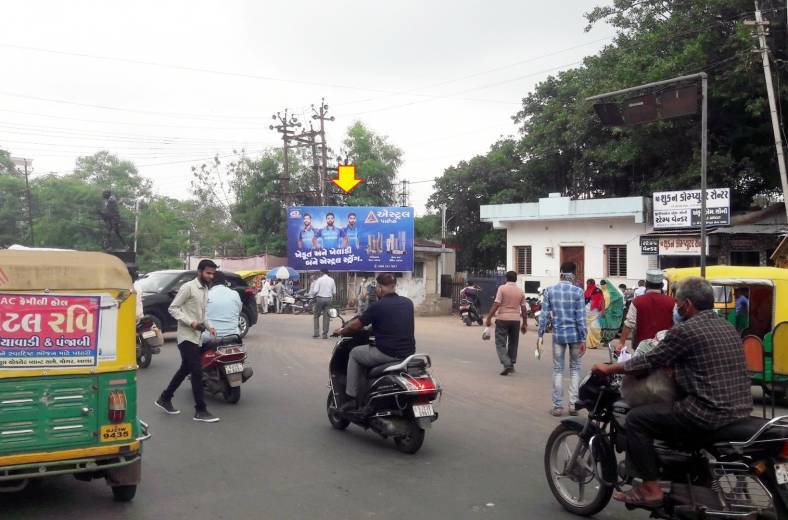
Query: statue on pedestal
110	214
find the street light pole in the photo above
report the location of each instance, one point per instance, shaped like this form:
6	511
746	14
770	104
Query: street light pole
704	136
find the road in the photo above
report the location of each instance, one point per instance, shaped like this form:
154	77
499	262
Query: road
275	456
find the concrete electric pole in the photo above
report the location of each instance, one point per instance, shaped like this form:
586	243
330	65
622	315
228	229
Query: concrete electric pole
286	128
321	114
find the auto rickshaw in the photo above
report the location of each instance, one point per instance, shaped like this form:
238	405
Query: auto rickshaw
68	391
763	323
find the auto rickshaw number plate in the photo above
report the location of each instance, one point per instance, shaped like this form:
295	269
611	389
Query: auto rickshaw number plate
115	432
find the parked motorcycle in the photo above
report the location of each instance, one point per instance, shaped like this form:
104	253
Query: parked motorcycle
303	303
739	471
224	367
534	305
537	311
398	400
149	341
469	312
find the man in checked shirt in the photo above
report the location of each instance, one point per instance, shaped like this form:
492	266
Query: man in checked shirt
707	358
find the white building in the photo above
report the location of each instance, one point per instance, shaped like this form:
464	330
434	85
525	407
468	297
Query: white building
601	236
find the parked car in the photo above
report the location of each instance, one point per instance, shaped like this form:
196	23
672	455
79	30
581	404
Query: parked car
158	289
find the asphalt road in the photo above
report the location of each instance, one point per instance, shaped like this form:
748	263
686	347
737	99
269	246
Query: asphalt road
275	456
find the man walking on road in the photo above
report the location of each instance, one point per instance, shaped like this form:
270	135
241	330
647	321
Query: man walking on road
649	313
566	302
188	308
324	289
510	312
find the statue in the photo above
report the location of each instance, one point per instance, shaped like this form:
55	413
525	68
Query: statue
111	216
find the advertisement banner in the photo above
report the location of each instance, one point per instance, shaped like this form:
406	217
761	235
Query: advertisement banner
48	331
681	209
350	238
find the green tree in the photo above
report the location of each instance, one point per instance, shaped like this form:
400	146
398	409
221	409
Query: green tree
163	239
377	162
428	227
13	209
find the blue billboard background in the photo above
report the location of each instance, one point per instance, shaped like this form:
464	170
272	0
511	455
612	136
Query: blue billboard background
381	239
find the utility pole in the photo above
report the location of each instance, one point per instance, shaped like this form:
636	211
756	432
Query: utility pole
761	26
285	127
307	138
321	114
403	194
29	206
443	225
136	222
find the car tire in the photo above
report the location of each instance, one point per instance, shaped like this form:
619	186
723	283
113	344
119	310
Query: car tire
123	493
243	324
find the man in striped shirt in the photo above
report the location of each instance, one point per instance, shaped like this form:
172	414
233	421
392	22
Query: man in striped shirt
566	302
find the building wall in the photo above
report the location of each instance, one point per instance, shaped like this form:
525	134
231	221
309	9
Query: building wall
592	234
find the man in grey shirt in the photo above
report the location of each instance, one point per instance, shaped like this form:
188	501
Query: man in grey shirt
188	308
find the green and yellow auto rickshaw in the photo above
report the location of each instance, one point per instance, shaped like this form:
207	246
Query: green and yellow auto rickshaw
68	386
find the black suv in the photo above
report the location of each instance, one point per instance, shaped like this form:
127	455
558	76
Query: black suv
160	287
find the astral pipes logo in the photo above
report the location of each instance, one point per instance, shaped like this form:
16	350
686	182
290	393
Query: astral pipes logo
295	213
3	277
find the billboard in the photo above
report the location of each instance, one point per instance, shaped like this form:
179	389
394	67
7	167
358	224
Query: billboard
350	238
681	209
49	331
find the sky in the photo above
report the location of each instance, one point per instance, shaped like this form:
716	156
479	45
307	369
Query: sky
168	85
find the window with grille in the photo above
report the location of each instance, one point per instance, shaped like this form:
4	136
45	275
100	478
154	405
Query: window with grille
522	259
418	270
616	260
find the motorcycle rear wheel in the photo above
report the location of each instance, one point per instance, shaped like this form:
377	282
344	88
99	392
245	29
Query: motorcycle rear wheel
467	321
231	394
336	421
410	443
582	478
144	354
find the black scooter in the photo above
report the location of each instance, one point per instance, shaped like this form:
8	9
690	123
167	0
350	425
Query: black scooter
398	398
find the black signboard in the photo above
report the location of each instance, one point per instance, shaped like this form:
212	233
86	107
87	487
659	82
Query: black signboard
714	217
649	246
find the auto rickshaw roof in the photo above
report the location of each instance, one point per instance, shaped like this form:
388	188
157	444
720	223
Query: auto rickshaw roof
729	272
30	270
248	273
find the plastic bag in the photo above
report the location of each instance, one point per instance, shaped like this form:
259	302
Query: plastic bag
486	334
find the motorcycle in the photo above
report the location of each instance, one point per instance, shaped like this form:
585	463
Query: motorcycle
302	303
149	341
398	398
469	312
534	306
224	367
739	471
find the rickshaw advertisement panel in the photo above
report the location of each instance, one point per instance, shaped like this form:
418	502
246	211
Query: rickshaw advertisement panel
49	331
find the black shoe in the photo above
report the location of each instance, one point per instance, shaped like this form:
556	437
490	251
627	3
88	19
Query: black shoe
316	336
506	371
205	416
166	406
512	370
349	406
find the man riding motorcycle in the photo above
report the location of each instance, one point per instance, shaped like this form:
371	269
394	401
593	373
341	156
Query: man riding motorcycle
708	364
223	309
393	324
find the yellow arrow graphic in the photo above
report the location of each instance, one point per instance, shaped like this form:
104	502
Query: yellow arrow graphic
346	180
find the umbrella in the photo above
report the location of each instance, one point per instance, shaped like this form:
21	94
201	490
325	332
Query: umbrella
283	273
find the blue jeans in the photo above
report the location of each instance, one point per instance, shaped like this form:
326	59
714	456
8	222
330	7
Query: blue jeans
559	351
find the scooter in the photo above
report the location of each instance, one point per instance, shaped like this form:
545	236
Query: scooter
149	341
469	313
398	400
224	367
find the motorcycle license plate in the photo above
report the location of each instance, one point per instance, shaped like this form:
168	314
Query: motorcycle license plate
781	473
115	432
149	334
234	368
423	410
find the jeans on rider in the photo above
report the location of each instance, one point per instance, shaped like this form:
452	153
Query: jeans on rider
361	359
646	423
559	352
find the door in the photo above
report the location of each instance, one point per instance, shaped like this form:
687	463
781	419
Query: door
575	254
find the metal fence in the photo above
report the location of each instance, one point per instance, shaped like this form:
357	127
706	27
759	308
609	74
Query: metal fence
488	282
344	281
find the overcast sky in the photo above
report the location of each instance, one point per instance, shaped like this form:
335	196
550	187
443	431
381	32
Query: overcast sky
169	84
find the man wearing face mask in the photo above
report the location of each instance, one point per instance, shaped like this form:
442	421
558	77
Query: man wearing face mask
709	369
649	313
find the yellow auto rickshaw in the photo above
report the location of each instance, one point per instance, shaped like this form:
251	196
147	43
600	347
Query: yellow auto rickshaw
761	317
68	394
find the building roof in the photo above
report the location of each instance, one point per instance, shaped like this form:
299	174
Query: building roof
426	243
556	207
752	229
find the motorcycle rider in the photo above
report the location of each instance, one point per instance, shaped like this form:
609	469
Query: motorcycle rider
393	324
223	309
471	293
707	359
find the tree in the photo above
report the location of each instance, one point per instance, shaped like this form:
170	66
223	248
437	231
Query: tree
13	209
163	240
428	227
377	162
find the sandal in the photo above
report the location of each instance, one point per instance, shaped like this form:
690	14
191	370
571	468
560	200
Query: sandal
634	498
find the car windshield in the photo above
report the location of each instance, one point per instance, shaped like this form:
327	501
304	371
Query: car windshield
156	282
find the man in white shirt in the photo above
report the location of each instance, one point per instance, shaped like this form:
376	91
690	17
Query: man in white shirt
324	289
641	290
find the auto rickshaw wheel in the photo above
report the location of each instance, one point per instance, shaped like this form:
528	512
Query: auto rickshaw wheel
124	493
